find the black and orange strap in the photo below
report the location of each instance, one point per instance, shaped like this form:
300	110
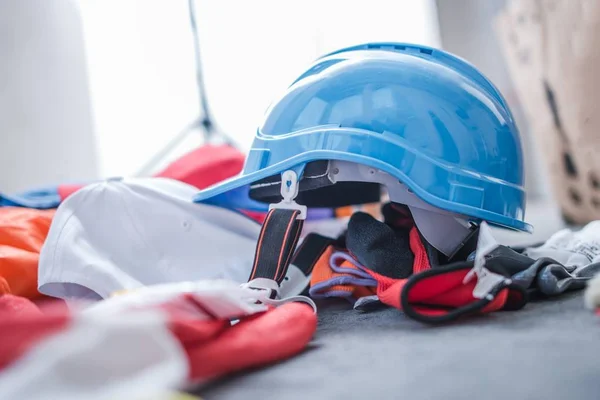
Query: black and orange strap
276	244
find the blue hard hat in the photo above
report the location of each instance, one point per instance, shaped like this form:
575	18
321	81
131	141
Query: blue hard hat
427	118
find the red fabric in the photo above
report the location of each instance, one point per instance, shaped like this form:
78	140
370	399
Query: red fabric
443	287
202	167
214	347
256	215
431	312
65	191
23	325
449	290
498	303
205	166
389	289
15	306
403	219
436	294
421	261
257	340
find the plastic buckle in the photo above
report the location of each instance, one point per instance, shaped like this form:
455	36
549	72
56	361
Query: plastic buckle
269	287
289	191
487	280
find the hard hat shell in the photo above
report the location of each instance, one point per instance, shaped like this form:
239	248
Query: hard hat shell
422	115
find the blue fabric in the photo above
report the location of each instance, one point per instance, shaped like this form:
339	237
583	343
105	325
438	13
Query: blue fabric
41	199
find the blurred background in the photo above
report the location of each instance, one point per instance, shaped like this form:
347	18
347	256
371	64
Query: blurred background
98	88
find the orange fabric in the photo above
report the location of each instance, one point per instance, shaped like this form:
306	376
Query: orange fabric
373	209
342	212
22	234
322	272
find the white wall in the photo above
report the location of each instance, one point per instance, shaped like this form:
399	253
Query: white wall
467	30
92	88
46	128
140	58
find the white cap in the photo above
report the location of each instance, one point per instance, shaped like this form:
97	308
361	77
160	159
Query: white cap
125	233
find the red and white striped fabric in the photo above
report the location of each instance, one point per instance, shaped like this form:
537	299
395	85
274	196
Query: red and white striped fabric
143	342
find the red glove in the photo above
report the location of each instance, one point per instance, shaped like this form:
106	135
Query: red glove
396	257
